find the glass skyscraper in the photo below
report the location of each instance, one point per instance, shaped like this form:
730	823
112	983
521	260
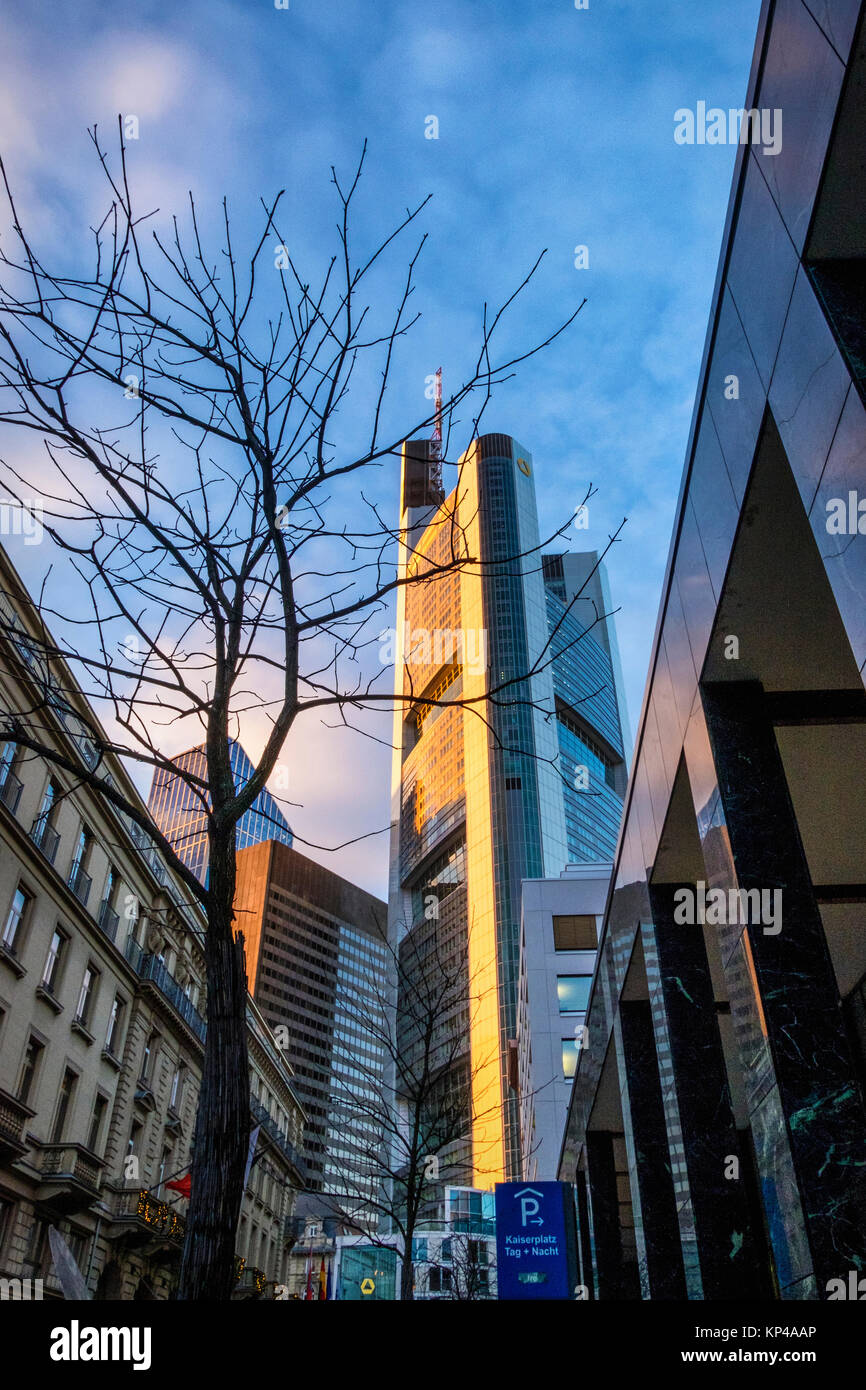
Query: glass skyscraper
180	816
317	960
488	794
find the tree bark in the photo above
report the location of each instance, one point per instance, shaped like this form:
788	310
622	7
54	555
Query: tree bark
223	1121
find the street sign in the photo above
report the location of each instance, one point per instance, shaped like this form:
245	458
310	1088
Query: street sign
536	1248
368	1286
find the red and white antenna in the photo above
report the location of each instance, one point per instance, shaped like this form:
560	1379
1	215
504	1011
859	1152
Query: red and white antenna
436	438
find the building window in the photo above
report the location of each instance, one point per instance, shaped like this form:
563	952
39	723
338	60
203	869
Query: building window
148	1061
87	995
115	1025
176	1087
570	1054
30	1069
94	1134
79	879
419	1250
7	1210
44	834
77	1242
15	920
64	1104
10	785
575	933
34	1260
51	973
134	1137
440	1280
573	993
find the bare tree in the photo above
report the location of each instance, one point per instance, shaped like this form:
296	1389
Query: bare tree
405	1109
192	487
463	1277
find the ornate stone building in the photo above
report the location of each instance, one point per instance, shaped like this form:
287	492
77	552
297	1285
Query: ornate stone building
102	1019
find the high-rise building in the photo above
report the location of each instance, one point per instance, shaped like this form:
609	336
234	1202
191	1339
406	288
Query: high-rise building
317	961
486	795
181	817
717	1127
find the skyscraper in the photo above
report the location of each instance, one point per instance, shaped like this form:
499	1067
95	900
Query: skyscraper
485	795
317	962
183	820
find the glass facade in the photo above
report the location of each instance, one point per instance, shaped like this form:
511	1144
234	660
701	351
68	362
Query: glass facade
731	1022
179	813
488	794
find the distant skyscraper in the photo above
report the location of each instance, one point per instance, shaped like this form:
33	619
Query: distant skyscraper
317	963
181	818
485	796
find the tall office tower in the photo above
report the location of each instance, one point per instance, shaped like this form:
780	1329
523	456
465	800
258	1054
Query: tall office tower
591	721
181	818
479	791
317	961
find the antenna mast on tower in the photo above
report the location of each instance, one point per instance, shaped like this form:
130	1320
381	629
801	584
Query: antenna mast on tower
436	438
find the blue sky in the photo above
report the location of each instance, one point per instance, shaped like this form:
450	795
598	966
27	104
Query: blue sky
555	130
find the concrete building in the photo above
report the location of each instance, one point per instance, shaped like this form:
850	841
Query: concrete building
317	961
103	1013
717	1128
481	803
560	924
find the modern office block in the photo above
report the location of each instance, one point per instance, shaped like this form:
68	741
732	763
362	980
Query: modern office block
182	818
317	962
488	793
560	924
717	1130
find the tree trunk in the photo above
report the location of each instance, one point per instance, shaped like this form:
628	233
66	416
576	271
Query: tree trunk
407	1280
223	1120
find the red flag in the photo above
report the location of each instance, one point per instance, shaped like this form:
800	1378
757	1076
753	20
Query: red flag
323	1281
182	1185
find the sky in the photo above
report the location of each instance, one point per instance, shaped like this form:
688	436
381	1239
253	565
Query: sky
554	130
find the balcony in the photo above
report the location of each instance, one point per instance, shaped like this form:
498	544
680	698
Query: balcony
80	883
149	968
46	838
282	1141
70	1177
10	792
250	1282
143	1220
108	919
14	1116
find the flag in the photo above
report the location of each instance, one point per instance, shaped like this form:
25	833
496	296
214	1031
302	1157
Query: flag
70	1276
328	1293
309	1291
323	1283
182	1185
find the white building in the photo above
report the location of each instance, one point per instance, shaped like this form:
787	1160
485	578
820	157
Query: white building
560	922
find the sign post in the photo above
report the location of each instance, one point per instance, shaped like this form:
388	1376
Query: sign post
536	1245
